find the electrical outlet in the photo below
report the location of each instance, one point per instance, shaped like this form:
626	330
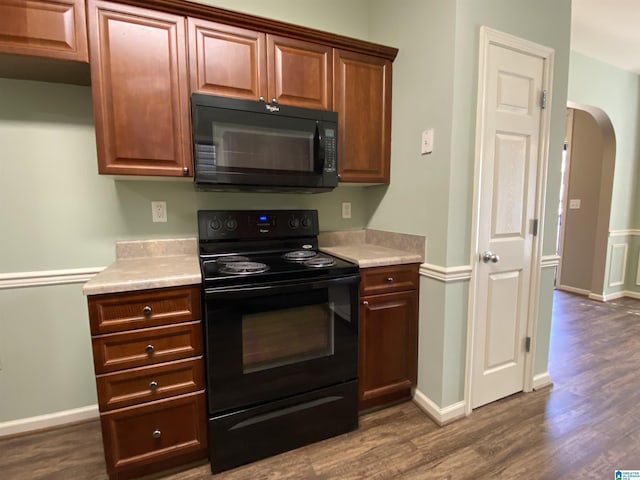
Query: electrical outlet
159	211
346	209
574	203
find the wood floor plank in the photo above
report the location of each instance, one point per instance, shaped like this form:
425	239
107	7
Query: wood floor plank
585	426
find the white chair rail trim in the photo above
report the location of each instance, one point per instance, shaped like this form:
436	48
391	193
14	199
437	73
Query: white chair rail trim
47	277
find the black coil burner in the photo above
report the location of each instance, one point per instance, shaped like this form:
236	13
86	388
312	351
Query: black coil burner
299	255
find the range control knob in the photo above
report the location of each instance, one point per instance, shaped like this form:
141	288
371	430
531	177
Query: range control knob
306	222
231	224
294	222
215	224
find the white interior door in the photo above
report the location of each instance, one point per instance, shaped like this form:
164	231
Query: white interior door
510	154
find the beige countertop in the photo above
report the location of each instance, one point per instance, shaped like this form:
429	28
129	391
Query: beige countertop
142	265
368	255
374	248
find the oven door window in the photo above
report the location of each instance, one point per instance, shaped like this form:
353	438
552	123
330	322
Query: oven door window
280	337
264	345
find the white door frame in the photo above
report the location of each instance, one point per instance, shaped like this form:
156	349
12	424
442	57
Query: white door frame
490	37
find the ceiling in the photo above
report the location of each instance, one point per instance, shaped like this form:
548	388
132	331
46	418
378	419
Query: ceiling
607	30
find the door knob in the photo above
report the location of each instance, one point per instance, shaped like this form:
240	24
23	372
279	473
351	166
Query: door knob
489	256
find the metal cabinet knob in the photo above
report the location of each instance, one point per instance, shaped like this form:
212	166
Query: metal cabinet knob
149	349
156	433
489	256
390	279
153	385
146	310
274	100
185	170
261	99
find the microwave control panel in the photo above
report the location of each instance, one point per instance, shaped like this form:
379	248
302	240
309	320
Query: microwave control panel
330	150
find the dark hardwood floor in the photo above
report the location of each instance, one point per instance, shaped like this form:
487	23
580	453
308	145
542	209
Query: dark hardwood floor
585	426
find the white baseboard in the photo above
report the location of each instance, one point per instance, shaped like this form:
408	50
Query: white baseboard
542	380
579	291
42	422
440	415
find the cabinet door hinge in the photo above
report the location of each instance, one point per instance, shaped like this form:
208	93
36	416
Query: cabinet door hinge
534	227
527	344
543	100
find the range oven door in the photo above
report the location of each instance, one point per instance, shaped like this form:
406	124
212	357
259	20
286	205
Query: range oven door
264	343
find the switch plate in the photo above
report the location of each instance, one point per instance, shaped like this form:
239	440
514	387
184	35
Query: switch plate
159	211
574	203
427	141
346	209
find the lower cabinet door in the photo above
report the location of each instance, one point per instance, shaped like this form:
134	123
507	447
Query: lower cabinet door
154	436
388	348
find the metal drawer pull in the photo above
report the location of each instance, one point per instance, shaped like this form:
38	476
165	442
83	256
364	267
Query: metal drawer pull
156	433
153	384
390	279
365	302
149	349
146	311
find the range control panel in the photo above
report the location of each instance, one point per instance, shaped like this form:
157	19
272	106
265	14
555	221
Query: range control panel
255	224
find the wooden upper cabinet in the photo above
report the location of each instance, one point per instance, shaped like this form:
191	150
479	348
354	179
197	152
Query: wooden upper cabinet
362	98
238	62
44	28
300	73
140	90
226	60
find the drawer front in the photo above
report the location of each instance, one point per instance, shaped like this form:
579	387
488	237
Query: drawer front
144	384
116	312
389	279
156	431
148	346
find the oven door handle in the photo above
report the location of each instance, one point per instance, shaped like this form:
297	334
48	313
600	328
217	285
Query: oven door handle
280	287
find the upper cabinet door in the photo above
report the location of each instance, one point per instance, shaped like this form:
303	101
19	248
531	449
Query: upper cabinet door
362	89
140	90
45	28
300	73
226	60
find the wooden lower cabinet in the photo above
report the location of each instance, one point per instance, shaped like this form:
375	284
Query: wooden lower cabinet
154	436
150	379
388	334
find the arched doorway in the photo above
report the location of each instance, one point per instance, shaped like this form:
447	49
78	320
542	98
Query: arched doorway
586	200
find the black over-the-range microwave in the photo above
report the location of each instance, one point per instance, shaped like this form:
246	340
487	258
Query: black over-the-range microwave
253	145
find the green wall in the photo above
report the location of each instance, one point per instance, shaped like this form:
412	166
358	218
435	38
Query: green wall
435	85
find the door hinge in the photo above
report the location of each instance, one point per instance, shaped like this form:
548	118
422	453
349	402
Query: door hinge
534	227
527	344
543	100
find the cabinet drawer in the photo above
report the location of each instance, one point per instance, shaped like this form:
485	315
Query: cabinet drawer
130	387
148	346
142	436
116	312
390	279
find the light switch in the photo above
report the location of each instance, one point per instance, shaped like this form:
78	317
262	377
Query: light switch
427	141
574	203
